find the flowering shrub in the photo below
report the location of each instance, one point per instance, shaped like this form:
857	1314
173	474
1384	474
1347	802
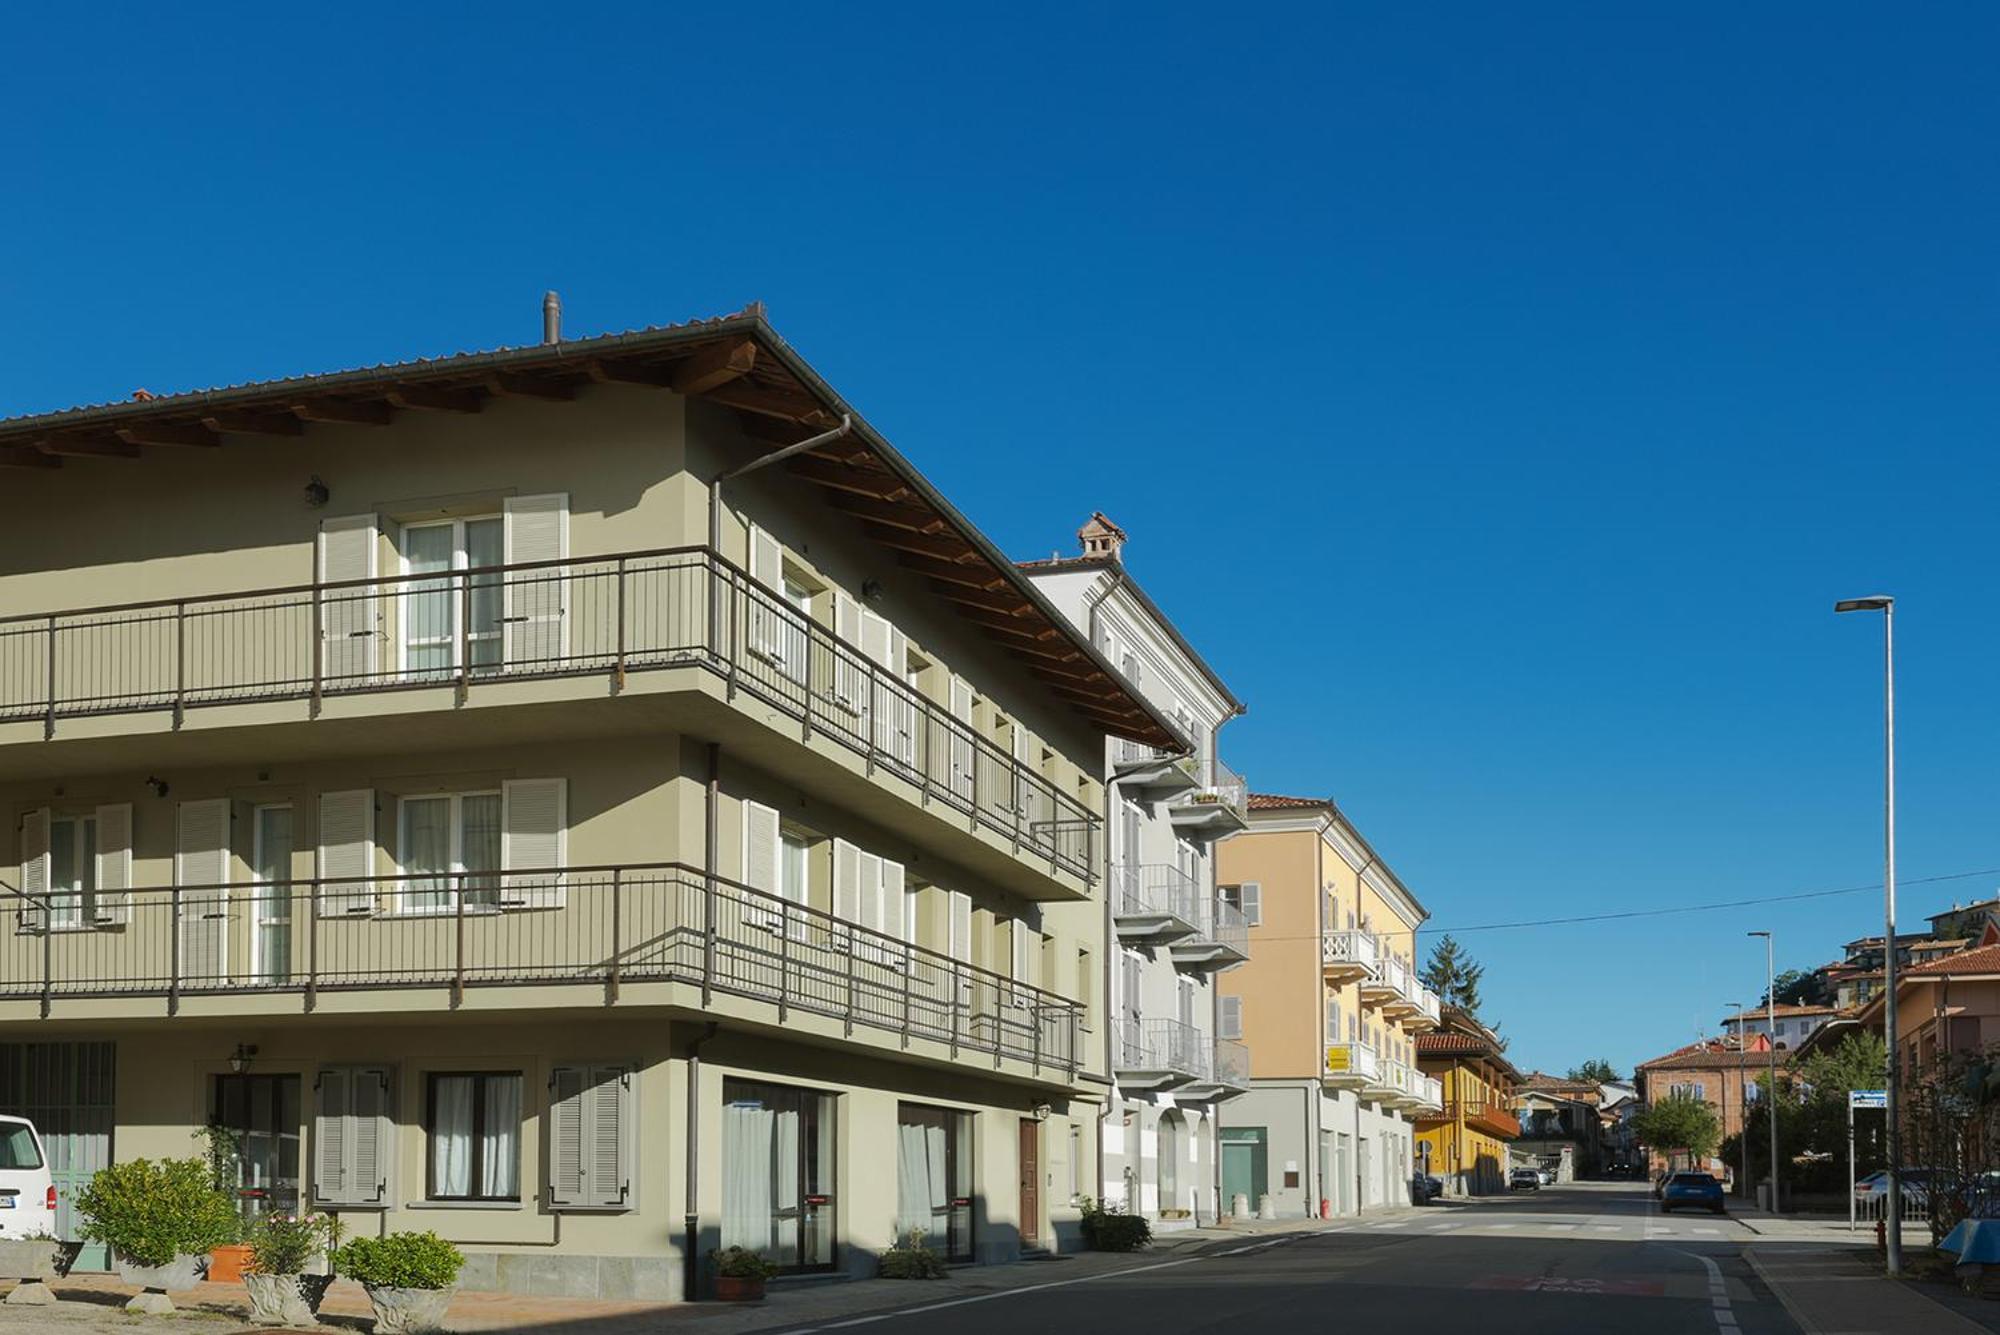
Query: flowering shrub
284	1244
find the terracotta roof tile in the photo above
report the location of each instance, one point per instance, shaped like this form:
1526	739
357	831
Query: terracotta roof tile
1986	959
1278	802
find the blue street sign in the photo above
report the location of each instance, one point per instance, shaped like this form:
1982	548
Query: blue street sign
1868	1098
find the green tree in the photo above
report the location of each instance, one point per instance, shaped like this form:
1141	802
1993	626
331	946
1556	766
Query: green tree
1597	1070
1454	976
1796	987
1860	1061
1679	1123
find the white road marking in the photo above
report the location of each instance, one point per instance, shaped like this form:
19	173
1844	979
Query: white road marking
1005	1293
1718	1293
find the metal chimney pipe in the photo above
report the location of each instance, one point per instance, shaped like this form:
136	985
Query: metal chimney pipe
551	318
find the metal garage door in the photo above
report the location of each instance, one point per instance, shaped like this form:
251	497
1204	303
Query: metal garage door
68	1091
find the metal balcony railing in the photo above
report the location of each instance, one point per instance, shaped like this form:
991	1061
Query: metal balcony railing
1353	1059
609	616
1156	890
1161	1046
1350	947
608	927
1215	785
1225	924
1232	1063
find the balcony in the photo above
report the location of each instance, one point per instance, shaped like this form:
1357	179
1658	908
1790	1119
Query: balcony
1352	1066
1155	903
1221	938
1157	1054
1427	1012
1153	769
582	633
1493	1117
1390	983
1232	1066
1218	802
1347	957
651	935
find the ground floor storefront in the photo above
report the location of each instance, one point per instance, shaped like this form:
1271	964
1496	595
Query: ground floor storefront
1161	1159
588	1155
1310	1151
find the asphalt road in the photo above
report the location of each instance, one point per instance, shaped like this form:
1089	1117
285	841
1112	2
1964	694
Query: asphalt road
1590	1258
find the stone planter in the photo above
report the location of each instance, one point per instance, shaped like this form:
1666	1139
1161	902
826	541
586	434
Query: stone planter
409	1311
739	1288
33	1263
180	1273
285	1300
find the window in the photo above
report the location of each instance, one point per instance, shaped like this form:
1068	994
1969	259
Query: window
778	1173
1229	1017
449	845
433	602
1247	898
351	1137
474	1124
271	863
17	1147
934	1178
72	871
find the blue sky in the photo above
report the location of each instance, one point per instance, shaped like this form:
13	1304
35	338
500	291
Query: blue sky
1500	396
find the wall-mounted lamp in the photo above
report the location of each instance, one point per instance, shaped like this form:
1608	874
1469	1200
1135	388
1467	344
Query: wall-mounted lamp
239	1060
1040	1112
871	589
159	786
316	493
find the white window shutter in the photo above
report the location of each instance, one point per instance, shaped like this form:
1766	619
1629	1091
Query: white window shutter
1229	1017
535	629
350	619
534	834
959	943
608	1182
767	562
846	881
566	1153
114	863
201	867
760	847
961	738
868	882
848	673
35	870
1251	897
899	910
346	851
351	1136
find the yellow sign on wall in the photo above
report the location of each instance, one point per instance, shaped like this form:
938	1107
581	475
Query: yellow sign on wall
1337	1059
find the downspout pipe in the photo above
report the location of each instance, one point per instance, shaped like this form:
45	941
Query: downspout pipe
1110	938
761	461
691	1256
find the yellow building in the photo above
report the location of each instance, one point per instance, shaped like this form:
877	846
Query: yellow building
1465	1142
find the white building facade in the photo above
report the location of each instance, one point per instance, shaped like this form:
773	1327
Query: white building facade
1171	932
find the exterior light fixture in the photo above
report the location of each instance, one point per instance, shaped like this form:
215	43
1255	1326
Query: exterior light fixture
239	1060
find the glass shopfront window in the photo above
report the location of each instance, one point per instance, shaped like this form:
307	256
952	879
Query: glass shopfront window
778	1173
934	1178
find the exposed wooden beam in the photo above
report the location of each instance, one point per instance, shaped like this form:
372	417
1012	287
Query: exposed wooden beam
843	477
966	576
714	367
351	412
167	433
256	424
631	373
790	405
1052	651
943	547
1079	672
1005	600
89	447
1028	628
438	398
1069	692
529	387
26	456
915	518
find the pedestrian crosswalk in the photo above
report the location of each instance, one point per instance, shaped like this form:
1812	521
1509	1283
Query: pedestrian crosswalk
1646	1228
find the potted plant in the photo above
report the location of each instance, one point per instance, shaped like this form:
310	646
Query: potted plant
740	1274
410	1278
160	1221
284	1249
223	1149
30	1260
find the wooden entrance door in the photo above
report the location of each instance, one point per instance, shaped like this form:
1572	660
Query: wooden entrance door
1031	1181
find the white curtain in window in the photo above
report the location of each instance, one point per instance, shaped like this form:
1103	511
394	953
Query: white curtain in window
500	1150
785	1193
748	1139
427	848
479	845
923	1183
451	1136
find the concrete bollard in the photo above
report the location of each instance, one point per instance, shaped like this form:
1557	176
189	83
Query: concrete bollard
1239	1206
30	1293
1266	1208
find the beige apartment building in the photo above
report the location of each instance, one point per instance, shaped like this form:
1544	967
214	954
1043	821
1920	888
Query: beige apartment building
1329	1005
593	800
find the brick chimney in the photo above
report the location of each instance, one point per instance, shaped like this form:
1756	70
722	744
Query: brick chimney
1100	537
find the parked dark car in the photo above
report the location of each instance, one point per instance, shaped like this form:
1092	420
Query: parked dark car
1425	1187
1699	1191
1524	1179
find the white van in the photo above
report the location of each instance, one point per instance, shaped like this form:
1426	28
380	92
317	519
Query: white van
27	1193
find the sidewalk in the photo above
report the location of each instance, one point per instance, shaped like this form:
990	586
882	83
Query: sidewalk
1828	1289
1825	1229
93	1304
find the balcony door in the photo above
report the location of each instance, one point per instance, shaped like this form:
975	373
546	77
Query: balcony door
260	1114
271	861
434	603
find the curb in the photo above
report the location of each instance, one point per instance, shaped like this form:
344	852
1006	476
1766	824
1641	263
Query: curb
1799	1319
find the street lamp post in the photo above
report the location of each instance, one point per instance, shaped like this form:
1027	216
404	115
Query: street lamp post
1771	1046
1742	1103
1892	1227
